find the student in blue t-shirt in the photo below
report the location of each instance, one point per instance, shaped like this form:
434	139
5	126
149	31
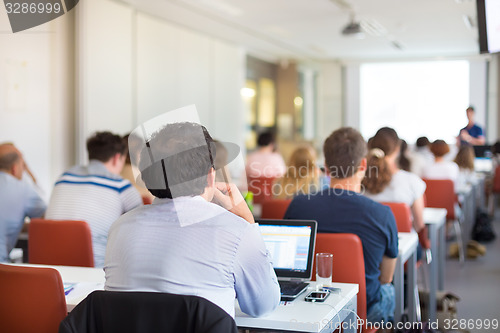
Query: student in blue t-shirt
342	208
472	134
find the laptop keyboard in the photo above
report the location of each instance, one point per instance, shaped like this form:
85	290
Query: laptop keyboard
290	289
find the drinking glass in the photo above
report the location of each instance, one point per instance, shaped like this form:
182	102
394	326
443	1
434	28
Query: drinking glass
324	269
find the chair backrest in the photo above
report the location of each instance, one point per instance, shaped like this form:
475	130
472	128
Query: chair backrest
31	299
261	187
275	208
440	193
138	312
496	180
402	214
348	262
54	242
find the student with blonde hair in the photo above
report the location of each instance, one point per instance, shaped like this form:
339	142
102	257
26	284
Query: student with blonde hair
465	161
301	177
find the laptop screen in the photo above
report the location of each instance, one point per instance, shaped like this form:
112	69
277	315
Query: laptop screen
483	164
291	246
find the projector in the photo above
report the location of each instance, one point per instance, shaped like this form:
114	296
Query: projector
353	29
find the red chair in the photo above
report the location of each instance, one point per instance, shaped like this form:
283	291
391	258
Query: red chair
495	190
275	209
32	299
54	242
440	193
496	180
402	214
348	264
261	187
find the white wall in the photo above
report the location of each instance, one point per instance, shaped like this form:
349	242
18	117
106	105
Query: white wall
134	66
36	97
330	100
104	69
478	91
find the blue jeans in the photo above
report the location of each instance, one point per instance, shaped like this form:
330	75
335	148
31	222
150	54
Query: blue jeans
383	310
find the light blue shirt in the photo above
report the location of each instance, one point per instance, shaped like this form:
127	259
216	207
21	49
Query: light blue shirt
189	246
18	199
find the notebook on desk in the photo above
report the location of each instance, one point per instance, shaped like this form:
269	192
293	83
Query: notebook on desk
291	246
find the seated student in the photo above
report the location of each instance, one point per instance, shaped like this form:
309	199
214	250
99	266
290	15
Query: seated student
301	177
404	161
18	199
185	243
421	156
265	162
343	209
386	182
465	161
495	154
441	169
95	193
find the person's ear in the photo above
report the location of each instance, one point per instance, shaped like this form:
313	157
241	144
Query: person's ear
117	158
363	165
16	170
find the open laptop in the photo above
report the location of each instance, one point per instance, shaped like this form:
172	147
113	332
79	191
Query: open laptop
482	151
291	246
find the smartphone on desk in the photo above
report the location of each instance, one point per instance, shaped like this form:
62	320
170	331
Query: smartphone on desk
317	296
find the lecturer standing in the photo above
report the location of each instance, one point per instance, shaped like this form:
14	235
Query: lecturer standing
472	134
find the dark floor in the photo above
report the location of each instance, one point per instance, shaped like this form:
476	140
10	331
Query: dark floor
477	283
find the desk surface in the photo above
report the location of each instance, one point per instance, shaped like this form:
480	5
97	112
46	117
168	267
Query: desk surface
90	279
463	189
434	215
407	244
300	315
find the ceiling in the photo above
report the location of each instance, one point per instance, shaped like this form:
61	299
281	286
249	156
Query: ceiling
310	29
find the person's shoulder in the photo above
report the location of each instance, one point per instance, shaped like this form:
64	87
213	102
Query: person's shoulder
367	201
94	174
373	207
309	199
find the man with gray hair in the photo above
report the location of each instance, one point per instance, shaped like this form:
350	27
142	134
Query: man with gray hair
18	199
198	237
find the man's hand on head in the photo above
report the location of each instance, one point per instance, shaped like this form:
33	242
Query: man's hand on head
229	197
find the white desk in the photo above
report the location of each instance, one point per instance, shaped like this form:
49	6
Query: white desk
298	316
467	198
478	182
303	316
407	253
435	219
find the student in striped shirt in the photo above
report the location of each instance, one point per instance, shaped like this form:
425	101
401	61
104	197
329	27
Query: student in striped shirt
95	193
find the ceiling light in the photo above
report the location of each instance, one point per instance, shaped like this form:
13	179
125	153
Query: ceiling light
373	27
469	23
